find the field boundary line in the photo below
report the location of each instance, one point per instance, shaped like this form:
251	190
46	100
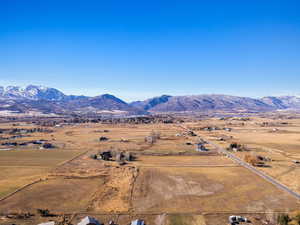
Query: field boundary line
21	188
191	166
41	179
134	180
70	160
204	213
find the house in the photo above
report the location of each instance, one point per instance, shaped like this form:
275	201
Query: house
129	157
191	133
48	146
296	161
201	148
47	223
138	222
111	222
233	220
150	139
119	157
89	221
227	129
106	155
124	140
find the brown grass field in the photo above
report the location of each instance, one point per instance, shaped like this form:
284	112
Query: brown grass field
18	168
282	145
193	190
168	184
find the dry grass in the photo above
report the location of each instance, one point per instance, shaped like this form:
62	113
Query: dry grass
282	145
185	220
55	195
183	161
18	168
188	184
177	190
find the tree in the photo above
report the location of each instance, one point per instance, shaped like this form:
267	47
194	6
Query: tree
297	218
251	159
44	212
283	219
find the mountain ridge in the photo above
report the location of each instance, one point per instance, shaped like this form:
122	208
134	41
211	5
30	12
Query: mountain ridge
210	102
51	100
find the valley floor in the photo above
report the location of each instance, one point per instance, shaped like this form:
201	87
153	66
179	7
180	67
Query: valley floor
168	183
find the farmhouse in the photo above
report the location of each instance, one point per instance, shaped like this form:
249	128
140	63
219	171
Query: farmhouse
89	221
48	146
150	139
236	147
210	128
106	155
227	129
201	148
233	220
191	133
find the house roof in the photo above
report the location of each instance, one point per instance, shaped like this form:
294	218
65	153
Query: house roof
89	221
137	222
47	223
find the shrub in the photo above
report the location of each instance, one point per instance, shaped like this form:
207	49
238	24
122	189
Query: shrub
297	218
283	219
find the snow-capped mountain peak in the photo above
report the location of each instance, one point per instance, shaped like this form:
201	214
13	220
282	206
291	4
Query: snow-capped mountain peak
13	92
31	92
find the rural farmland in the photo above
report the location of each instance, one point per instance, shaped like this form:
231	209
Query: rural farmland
168	180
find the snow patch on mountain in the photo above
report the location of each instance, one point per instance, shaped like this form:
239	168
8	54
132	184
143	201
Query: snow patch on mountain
31	92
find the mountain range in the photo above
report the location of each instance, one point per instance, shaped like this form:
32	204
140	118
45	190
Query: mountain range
50	100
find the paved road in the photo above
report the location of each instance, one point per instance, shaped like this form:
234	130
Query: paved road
256	171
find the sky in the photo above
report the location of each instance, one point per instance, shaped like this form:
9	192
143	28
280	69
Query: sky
140	49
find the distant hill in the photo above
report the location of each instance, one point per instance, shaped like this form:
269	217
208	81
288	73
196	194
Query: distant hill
151	103
283	102
50	100
194	103
102	103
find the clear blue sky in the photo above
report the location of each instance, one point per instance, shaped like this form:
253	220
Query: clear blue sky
139	49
